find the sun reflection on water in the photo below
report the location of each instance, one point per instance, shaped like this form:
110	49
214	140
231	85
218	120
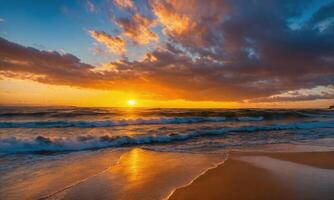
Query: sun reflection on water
134	161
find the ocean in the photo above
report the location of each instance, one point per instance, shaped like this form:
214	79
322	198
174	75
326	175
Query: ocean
38	141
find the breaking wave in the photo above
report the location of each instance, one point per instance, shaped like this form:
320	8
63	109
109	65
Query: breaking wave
109	123
89	142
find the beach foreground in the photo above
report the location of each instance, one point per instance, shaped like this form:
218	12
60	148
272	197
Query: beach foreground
135	173
302	175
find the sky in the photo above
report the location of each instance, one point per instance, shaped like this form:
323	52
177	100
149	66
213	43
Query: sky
167	53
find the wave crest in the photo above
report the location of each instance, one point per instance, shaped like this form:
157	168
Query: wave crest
108	123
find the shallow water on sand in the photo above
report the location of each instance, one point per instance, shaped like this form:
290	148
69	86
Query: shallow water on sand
106	174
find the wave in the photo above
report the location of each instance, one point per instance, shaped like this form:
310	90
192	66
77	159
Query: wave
89	142
108	123
123	122
235	113
247	119
51	112
56	113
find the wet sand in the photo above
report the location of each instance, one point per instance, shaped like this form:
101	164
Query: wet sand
46	177
135	173
141	174
265	176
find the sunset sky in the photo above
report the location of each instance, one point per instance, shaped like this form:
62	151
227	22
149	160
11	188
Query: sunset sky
167	53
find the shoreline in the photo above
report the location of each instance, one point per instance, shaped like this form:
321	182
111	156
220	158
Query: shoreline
199	175
237	176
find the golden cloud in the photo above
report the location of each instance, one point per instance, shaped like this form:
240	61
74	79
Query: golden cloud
173	21
114	44
137	28
124	3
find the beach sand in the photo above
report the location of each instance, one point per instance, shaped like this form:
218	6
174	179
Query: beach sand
134	173
247	175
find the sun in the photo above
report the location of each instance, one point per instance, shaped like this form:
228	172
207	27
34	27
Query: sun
131	102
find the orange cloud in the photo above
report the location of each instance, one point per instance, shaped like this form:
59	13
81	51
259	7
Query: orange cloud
114	44
137	28
174	22
190	21
124	3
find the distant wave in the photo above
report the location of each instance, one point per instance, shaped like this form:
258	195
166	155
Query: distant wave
87	142
233	113
247	119
57	113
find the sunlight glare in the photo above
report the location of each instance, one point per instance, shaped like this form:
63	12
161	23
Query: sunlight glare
132	102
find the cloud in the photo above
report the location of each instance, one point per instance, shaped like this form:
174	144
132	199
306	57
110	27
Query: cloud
324	13
308	97
2	20
114	44
51	67
189	23
124	4
233	50
134	25
137	28
174	22
90	6
219	50
300	95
